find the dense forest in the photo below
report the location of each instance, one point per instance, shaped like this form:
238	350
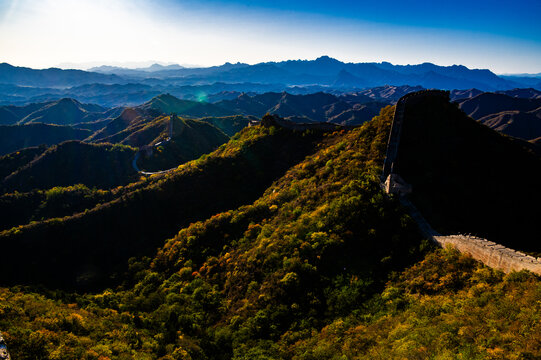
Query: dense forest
98	241
17	137
297	254
74	162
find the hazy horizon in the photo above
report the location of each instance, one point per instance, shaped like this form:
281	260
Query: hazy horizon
144	64
87	66
495	35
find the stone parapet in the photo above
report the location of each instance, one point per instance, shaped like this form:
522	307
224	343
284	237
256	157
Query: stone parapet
491	253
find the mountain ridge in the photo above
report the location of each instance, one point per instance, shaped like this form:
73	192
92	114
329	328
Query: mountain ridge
323	70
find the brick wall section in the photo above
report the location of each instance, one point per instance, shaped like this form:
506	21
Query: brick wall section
489	253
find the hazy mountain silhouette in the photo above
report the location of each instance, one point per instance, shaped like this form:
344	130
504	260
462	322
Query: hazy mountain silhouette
65	111
320	107
52	77
386	93
168	104
464	94
514	116
10	114
525	93
491	103
528	93
345	79
323	71
521	124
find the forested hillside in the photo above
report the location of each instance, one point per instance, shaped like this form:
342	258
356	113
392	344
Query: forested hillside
190	139
96	243
320	265
17	137
230	125
74	162
11	162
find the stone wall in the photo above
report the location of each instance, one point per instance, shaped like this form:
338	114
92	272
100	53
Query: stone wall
491	254
398	121
488	252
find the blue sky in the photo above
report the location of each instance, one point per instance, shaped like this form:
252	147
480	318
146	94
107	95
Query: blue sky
504	36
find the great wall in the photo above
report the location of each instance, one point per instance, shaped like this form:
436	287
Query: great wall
149	149
489	253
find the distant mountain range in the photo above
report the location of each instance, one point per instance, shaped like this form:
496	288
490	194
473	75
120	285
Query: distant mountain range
330	72
65	111
112	86
351	109
514	112
52	77
515	116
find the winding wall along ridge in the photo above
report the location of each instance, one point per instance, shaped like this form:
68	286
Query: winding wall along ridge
144	148
489	253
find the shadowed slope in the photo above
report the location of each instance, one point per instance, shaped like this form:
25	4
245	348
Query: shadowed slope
63	112
468	178
525	125
94	244
190	140
15	137
75	162
490	103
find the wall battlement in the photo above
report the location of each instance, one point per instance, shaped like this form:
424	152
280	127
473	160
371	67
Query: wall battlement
491	254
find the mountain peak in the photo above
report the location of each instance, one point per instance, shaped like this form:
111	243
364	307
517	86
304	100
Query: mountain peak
66	101
163	98
159	67
326	59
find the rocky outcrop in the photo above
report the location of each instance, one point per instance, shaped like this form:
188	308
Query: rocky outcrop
4	354
396	185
